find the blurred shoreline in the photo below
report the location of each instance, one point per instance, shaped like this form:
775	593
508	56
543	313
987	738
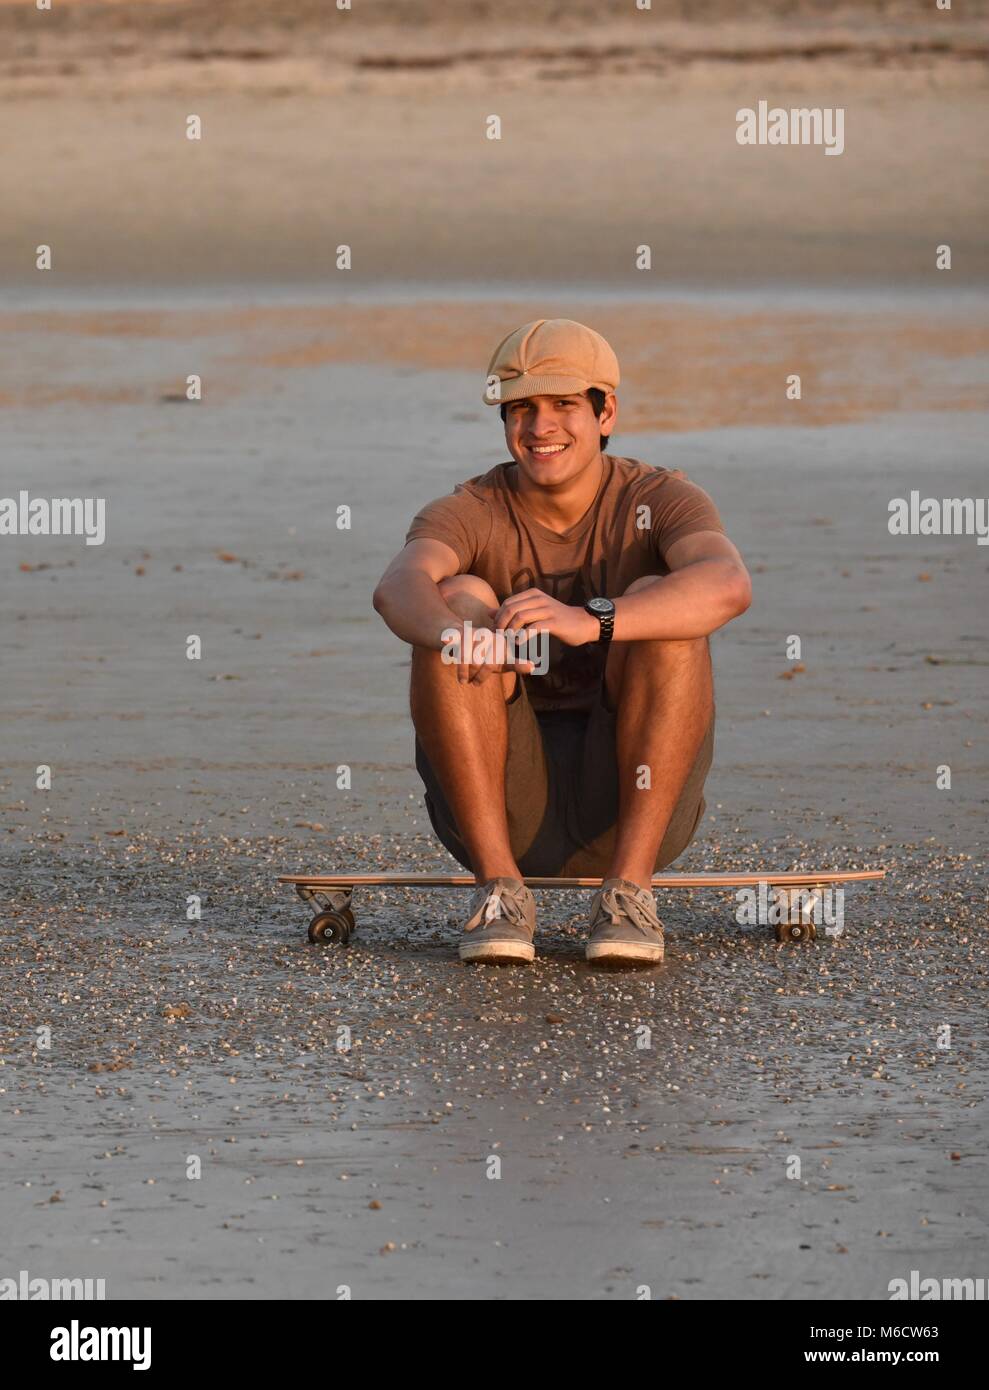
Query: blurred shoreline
238	43
617	131
50	296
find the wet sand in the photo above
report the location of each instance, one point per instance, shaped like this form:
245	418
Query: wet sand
621	1166
690	363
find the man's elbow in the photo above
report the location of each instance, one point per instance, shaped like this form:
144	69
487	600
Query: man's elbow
740	592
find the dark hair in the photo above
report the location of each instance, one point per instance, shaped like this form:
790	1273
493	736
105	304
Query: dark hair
597	398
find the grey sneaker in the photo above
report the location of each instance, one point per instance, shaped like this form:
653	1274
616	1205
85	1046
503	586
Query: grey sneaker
502	923
624	925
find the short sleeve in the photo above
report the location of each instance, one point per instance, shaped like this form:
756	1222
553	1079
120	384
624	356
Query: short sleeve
461	520
679	508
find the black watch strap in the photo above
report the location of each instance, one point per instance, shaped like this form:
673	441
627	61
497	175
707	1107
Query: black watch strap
604	610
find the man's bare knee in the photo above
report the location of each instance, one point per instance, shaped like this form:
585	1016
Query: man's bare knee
474	598
467	595
467	584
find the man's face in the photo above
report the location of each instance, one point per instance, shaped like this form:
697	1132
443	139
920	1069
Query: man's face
554	438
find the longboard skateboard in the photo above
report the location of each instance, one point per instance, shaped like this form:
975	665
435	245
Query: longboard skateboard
795	893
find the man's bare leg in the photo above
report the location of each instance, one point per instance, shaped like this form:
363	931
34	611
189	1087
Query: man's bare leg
664	696
463	730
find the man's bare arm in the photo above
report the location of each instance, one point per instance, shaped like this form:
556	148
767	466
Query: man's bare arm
407	597
707	586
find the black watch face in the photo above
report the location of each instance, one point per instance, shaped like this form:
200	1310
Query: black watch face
600	605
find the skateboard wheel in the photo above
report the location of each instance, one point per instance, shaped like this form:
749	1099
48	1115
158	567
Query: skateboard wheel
796	931
332	926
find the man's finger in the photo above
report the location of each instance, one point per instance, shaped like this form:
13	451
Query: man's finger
539	601
517	601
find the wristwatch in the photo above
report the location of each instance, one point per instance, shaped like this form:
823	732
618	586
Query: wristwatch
604	610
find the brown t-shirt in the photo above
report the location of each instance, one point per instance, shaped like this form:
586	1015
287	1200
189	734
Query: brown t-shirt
638	513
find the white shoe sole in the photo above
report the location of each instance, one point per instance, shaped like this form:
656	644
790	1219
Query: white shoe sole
623	950
497	951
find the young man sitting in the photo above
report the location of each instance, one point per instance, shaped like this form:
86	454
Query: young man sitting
597	767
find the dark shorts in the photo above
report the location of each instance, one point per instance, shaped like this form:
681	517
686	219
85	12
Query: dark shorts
561	790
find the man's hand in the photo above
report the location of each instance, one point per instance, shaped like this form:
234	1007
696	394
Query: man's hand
481	662
534	611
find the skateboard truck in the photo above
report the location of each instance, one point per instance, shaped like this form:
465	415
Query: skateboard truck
335	919
798	906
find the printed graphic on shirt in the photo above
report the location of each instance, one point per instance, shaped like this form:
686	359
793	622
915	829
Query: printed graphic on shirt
639	512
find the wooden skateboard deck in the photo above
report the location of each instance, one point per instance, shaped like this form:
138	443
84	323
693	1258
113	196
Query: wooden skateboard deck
335	920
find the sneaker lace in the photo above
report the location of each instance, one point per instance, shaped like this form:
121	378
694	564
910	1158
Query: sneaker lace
500	901
620	902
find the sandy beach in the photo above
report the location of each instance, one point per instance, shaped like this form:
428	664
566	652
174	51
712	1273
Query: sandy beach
366	1167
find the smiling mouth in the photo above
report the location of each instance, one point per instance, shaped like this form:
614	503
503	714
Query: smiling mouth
546	451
